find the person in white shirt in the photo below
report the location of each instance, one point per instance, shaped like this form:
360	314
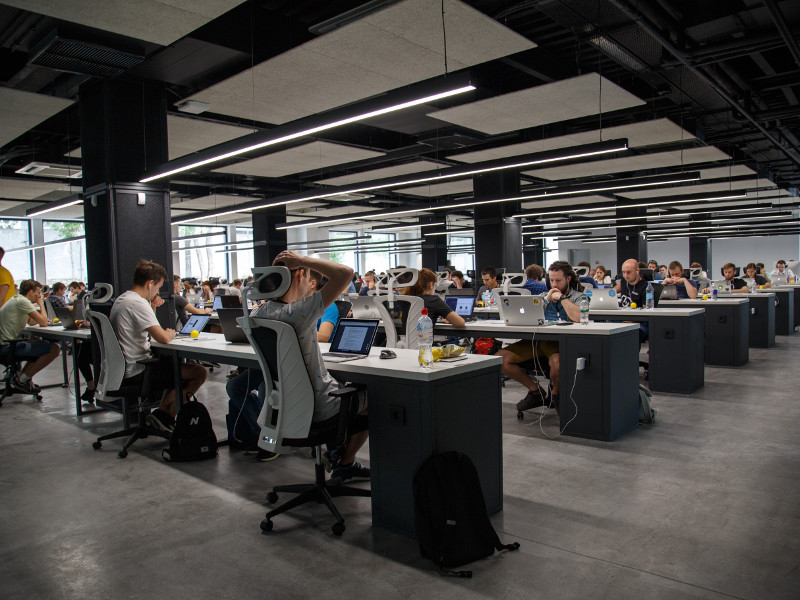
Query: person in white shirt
236	288
781	269
133	319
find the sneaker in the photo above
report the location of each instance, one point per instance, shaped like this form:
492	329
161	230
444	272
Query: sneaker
158	419
266	455
25	388
533	399
354	471
330	458
88	396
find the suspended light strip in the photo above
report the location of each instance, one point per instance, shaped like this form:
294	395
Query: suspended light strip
215	245
45	244
450	231
51	206
312	130
328	241
383	229
196	236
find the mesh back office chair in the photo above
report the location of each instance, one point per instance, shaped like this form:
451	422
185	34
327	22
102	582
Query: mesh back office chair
129	400
13	366
286	417
399	313
343	306
50	312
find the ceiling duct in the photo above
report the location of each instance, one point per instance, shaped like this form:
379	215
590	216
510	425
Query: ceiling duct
71	56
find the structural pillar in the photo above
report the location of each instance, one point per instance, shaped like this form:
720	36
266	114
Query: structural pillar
498	236
533	253
434	248
631	242
268	241
700	252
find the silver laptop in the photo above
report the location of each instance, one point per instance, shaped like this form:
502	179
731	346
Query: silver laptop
352	340
669	292
723	286
779	279
364	308
603	299
522	310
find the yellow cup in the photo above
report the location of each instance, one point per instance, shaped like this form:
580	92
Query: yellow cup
56	320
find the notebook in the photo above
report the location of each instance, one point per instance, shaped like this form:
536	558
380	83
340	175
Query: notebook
195	322
65	316
232	331
352	340
522	310
603	299
462	305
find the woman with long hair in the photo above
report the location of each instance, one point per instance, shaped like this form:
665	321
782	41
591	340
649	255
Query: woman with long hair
423	288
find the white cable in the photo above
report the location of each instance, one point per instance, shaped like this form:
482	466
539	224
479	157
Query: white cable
562	429
241	409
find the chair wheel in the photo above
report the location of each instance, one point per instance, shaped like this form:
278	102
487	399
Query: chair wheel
272	497
646	376
338	528
520	415
97	445
122	453
38	397
266	525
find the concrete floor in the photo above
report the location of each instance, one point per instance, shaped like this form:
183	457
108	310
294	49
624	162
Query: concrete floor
704	504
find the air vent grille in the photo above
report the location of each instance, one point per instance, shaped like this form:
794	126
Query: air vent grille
79	57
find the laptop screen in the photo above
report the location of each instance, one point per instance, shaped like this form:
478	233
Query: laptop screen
217	303
197	322
354	336
461	305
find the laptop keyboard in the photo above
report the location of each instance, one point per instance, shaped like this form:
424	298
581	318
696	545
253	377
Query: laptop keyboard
338	354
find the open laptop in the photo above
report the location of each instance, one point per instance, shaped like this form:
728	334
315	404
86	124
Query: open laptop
352	340
454	291
603	299
723	286
221	302
669	291
462	305
194	322
232	331
65	316
779	279
522	310
363	307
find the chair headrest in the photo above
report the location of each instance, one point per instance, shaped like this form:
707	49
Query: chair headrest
443	274
269	283
695	272
397	278
581	271
101	292
512	280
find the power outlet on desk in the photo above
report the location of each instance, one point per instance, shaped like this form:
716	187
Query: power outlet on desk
583	361
723	318
397	415
669	334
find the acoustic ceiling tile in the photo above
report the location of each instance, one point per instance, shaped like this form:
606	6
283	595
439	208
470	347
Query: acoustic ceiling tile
418	166
23	111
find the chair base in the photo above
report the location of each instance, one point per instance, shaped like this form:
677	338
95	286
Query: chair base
322	491
9	391
141	431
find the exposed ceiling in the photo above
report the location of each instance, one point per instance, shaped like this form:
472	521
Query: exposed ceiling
706	86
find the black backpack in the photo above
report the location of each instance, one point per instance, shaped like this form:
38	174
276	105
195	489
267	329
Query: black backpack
452	526
193	437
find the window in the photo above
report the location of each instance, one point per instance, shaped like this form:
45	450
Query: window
343	257
196	257
550	251
64	262
13	234
244	259
463	256
379	260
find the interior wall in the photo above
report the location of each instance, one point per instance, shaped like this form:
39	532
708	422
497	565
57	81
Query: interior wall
741	251
667	251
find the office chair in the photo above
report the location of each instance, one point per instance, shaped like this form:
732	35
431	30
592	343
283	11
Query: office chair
13	366
50	312
399	313
127	400
286	417
344	307
736	272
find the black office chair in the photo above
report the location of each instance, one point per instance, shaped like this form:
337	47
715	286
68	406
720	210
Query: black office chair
12	366
344	308
286	419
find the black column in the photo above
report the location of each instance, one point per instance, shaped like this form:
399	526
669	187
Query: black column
123	133
498	236
700	251
630	240
534	253
269	242
434	248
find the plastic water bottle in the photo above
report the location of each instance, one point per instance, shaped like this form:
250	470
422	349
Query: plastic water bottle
649	297
584	306
487	298
425	337
715	293
753	287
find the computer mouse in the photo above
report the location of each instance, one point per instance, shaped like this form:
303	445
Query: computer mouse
388	354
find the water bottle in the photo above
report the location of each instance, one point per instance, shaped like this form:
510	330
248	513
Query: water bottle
753	287
649	297
715	293
584	306
487	298
425	337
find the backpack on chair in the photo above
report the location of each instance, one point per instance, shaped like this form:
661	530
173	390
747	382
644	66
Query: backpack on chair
193	437
450	517
647	414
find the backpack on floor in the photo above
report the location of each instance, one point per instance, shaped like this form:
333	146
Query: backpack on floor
647	414
193	437
486	345
450	517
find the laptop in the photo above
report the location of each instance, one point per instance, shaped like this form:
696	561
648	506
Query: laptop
779	279
195	322
363	307
232	331
669	292
65	316
462	305
603	299
453	291
522	310
352	340
723	286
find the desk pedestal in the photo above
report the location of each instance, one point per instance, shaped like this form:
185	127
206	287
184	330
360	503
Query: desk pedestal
784	311
762	320
727	331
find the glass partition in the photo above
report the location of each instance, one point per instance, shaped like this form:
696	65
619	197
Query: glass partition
64	262
13	234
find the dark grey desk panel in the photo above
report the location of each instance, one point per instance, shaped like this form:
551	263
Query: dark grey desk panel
762	320
784	311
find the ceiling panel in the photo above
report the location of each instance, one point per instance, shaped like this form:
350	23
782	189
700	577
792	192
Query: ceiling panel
315	155
208	202
646	133
725	172
29	190
414	167
655	160
187	135
549	103
157	21
463	186
25	110
565	202
398	45
701	188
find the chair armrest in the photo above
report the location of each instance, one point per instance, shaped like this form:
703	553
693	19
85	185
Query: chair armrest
349	389
147	361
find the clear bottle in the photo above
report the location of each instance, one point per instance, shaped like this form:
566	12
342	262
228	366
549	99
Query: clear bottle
583	303
425	337
649	297
753	287
487	298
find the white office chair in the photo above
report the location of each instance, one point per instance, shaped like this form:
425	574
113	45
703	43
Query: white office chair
399	313
286	417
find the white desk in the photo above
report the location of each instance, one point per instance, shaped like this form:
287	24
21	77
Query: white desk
412	413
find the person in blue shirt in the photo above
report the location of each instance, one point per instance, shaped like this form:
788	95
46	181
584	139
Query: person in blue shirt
534	283
326	324
657	274
586	278
686	288
369	283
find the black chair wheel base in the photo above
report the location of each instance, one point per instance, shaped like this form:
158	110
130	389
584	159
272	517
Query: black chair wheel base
266	525
338	528
97	445
272	497
520	415
122	453
38	397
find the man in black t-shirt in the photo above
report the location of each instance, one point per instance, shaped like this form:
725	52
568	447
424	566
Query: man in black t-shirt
633	289
182	305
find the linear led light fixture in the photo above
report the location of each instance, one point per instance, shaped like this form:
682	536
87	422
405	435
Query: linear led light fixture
385	228
433	177
215	245
276	136
327	242
599	240
46	244
196	236
382	247
450	231
620	184
234	250
56	205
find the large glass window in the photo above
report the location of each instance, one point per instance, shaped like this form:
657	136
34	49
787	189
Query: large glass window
64	262
343	257
462	257
551	251
379	260
245	258
196	256
13	234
